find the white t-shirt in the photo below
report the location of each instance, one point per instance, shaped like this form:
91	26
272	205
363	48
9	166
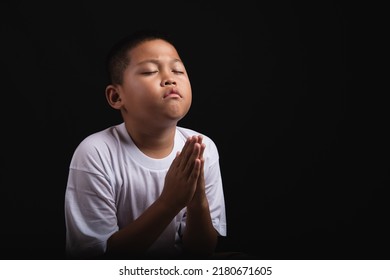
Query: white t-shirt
111	182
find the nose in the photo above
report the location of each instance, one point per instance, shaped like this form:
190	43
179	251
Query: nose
168	80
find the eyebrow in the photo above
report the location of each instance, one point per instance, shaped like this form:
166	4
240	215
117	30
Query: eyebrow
155	61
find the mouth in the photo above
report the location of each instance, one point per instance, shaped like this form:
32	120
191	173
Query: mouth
172	94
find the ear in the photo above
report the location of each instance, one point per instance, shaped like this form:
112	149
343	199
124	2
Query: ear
113	97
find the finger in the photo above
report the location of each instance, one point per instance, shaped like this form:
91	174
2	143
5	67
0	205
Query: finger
200	139
196	170
202	148
201	182
186	152
192	159
179	154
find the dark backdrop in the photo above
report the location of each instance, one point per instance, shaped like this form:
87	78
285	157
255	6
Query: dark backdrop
270	84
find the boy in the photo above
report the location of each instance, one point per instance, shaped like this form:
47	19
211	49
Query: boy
145	187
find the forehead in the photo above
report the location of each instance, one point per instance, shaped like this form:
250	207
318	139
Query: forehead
156	49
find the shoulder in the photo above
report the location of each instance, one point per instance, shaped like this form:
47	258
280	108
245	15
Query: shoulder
101	138
98	145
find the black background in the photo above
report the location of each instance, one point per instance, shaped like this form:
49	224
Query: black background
270	87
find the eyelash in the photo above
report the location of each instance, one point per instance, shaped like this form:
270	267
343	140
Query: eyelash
152	72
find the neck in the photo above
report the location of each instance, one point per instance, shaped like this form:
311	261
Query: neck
153	143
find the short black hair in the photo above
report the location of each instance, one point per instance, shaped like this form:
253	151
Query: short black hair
117	58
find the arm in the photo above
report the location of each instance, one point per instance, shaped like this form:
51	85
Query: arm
138	236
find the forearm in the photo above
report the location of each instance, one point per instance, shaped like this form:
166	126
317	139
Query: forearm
200	237
138	236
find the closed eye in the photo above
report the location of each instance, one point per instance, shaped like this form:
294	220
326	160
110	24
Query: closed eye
148	73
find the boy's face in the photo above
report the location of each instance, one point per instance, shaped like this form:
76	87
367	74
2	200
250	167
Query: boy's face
156	89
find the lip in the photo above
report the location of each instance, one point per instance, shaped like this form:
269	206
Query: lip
172	93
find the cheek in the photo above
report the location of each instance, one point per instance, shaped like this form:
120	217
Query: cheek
140	91
147	88
188	95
